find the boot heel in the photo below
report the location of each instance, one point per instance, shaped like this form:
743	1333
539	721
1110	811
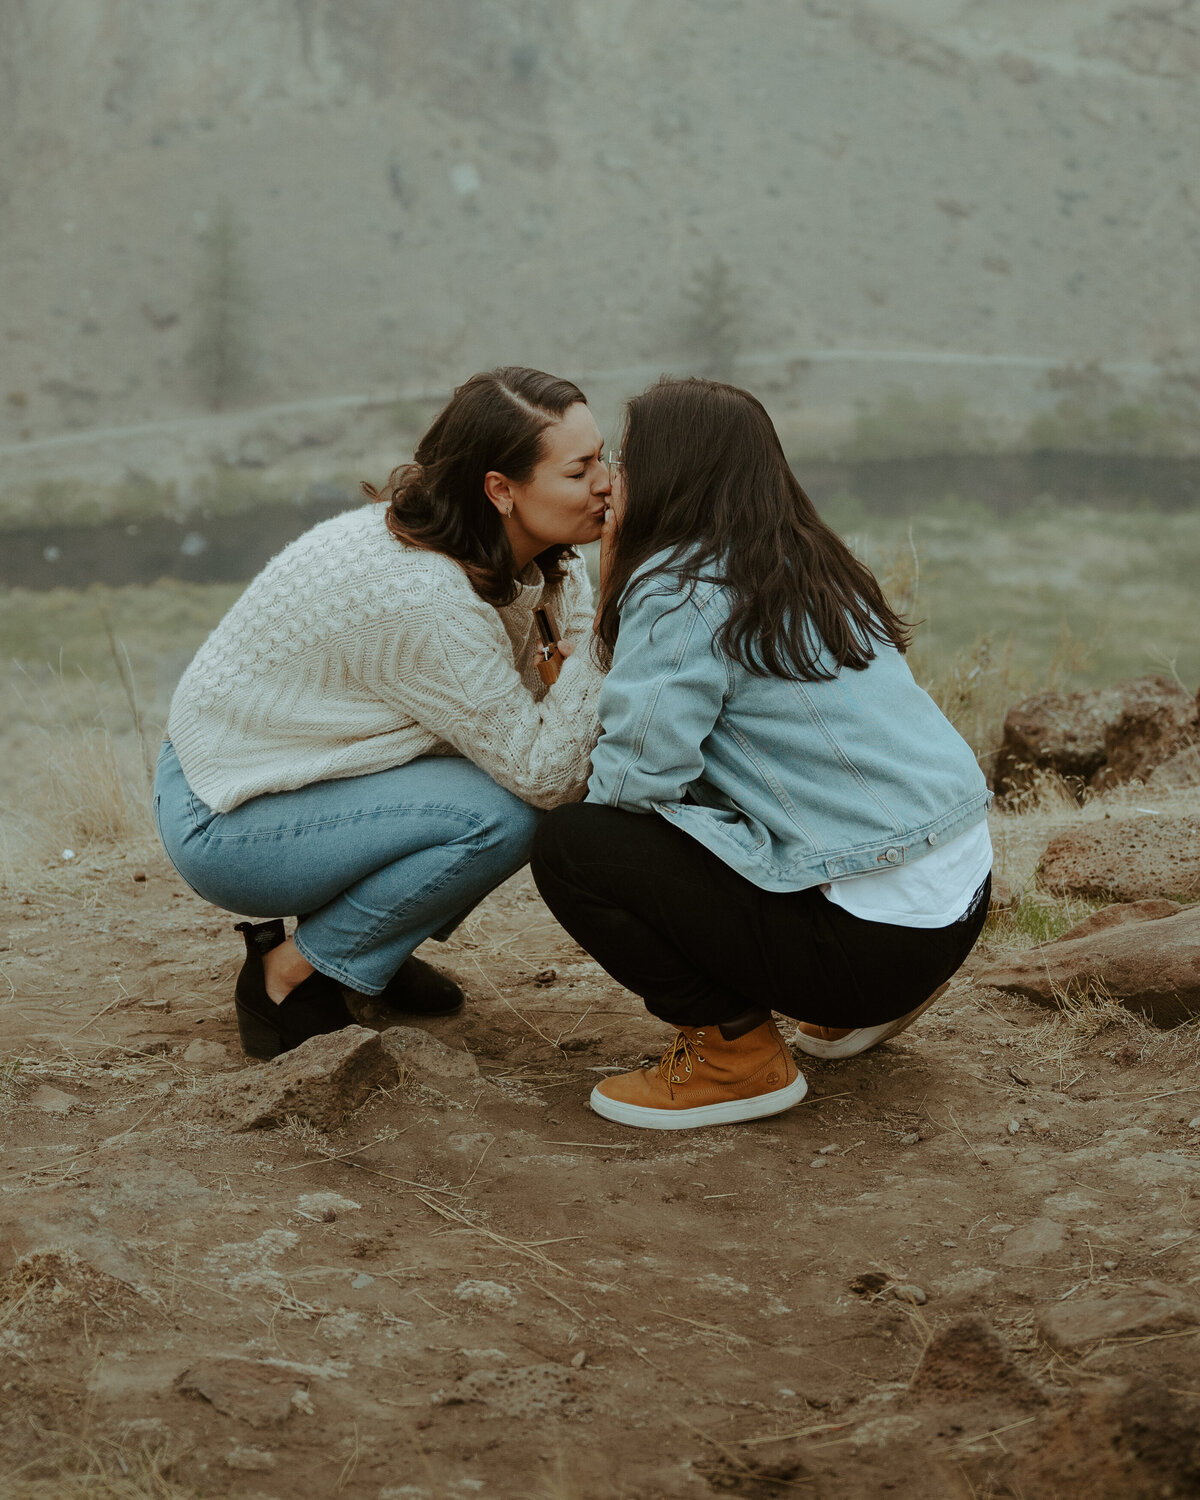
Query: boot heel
258	1037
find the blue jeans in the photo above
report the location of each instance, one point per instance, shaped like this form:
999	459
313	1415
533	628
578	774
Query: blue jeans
373	864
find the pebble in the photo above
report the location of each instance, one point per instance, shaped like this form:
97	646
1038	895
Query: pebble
910	1138
139	876
904	1292
1194	1124
52	1101
579	1360
202	1054
489	1293
819	1161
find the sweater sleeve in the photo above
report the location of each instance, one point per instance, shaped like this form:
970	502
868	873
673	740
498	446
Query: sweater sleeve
576	606
453	672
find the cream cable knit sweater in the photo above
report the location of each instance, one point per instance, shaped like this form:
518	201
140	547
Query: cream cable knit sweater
352	653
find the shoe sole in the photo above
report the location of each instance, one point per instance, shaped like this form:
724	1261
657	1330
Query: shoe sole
728	1113
852	1045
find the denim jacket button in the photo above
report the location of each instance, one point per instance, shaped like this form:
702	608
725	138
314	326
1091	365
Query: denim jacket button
893	856
933	838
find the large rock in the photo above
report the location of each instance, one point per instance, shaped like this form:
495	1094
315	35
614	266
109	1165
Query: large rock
1096	738
1182	770
426	1055
251	1390
322	1081
1148	1309
1130	859
1149	964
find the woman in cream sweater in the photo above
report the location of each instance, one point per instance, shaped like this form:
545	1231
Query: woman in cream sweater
365	739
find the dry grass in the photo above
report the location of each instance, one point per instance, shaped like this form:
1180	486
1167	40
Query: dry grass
96	1468
1085	1012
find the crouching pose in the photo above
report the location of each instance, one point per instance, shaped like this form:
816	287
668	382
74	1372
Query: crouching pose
365	739
778	818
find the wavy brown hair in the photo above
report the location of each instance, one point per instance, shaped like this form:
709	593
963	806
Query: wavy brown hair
496	420
706	480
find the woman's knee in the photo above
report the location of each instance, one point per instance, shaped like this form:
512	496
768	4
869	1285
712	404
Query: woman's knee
508	824
563	833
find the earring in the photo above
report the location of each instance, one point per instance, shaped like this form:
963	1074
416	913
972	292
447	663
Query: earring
508	510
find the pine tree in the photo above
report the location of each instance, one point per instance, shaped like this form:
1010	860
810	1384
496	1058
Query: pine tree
220	356
714	323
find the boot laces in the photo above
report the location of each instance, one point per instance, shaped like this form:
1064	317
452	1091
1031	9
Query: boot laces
675	1065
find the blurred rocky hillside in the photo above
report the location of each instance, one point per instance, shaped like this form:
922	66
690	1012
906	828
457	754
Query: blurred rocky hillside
980	197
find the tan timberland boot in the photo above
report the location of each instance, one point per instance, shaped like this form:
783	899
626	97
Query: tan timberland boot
703	1078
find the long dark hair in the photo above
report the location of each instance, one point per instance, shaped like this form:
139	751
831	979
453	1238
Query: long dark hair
706	479
494	421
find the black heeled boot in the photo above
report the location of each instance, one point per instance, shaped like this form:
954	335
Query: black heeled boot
422	990
267	1028
418	989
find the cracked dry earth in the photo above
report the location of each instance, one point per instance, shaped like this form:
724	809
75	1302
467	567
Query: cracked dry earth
967	1265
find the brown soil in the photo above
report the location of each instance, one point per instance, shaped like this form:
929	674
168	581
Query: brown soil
474	1285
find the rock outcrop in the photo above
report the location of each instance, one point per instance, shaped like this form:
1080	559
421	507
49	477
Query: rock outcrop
1149	963
1097	738
322	1081
1130	859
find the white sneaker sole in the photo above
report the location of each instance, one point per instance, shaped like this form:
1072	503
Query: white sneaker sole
864	1037
727	1113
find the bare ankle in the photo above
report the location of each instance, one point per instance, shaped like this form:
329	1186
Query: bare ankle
284	968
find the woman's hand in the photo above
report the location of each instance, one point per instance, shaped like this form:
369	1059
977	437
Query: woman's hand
564	648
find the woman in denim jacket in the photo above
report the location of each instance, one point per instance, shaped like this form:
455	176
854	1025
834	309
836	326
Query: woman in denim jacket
778	818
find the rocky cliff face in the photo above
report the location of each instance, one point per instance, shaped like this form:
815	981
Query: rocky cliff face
422	187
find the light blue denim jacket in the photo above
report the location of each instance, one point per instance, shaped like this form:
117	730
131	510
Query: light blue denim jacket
790	783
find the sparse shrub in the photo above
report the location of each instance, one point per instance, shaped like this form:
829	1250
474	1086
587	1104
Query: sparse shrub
1092	414
713	329
220	353
905	426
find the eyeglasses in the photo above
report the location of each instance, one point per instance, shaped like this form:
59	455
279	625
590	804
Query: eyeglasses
614	461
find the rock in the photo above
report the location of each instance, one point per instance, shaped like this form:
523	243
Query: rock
966	1361
1155	719
1096	738
883	1432
206	1054
1152	967
1071	1325
1033	1243
485	1293
52	1101
579	1360
906	1292
322	1081
1182	770
1060	732
426	1055
251	1460
1130	859
1120	912
966	1282
530	1391
249	1389
1003	898
327	1205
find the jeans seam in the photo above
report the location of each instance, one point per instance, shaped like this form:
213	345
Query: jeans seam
329	821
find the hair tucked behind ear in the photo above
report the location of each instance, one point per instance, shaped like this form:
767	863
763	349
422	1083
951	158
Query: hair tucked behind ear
496	420
706	480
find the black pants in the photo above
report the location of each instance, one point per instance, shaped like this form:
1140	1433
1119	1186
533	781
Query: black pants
701	944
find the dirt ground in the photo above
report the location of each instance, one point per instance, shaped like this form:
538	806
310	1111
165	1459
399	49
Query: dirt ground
475	1286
